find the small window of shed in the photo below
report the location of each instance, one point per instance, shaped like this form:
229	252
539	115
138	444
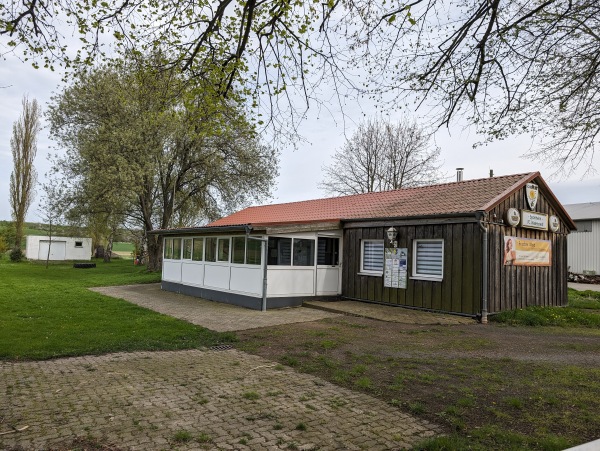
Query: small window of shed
583	226
78	243
428	259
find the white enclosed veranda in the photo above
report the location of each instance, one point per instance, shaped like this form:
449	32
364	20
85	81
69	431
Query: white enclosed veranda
230	268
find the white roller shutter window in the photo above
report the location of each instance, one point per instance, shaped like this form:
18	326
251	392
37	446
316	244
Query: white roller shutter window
429	258
372	256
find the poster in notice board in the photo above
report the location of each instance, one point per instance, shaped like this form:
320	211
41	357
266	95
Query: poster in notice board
395	271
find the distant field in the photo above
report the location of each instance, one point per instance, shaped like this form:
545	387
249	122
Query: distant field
123	247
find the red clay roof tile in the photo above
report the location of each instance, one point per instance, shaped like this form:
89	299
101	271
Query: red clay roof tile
458	197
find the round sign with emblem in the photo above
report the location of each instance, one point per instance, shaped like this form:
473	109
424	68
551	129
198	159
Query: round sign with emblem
554	223
512	217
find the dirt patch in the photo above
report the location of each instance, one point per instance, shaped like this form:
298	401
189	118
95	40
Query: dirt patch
537	387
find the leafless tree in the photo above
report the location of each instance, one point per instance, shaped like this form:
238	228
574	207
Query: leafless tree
382	156
23	144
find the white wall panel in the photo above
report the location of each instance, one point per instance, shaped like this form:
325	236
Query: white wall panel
171	270
290	282
192	273
328	281
216	276
246	280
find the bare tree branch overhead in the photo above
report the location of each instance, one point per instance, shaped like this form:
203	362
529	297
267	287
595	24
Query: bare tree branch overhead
509	67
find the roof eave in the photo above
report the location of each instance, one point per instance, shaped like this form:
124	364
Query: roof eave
246	228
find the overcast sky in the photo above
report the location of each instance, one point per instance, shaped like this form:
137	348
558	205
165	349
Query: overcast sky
300	170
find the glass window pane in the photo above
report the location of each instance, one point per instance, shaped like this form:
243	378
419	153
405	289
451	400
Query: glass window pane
168	250
280	251
198	253
187	248
176	248
304	252
211	250
239	249
328	251
223	250
253	252
372	256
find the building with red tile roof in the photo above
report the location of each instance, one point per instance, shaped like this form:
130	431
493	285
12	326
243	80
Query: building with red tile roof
454	198
469	247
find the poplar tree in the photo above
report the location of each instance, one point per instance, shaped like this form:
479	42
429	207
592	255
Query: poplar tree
23	178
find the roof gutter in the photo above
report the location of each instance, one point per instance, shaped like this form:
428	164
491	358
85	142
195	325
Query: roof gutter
246	228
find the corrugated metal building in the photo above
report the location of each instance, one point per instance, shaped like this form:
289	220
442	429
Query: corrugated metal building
583	252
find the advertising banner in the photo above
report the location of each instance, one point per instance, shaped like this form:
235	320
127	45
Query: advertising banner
527	252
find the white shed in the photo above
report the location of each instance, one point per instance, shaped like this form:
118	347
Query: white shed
61	248
583	244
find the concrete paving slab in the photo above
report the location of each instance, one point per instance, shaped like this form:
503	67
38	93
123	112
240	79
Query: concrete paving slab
215	316
388	313
584	286
192	400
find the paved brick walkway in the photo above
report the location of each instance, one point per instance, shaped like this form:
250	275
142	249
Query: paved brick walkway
212	315
207	399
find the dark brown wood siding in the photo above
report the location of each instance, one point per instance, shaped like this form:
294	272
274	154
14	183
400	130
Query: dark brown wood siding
512	287
458	292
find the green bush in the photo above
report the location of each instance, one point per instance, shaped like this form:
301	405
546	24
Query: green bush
16	255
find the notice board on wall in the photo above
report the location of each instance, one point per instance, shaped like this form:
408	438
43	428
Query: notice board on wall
395	267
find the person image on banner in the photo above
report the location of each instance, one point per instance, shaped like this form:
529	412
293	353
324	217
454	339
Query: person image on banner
510	255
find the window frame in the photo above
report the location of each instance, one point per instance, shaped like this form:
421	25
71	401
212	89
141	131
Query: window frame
168	249
209	250
183	248
276	248
419	276
311	248
369	272
200	240
584	226
233	250
228	241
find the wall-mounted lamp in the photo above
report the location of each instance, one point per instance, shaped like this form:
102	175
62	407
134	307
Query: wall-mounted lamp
392	233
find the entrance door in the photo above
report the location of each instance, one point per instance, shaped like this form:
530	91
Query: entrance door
58	250
328	266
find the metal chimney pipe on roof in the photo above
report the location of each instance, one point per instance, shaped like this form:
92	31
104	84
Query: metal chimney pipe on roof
459	174
491	173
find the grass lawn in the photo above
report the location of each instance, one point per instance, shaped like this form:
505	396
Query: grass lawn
583	310
494	387
49	313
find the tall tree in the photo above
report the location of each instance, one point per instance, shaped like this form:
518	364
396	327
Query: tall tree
509	67
23	178
382	156
146	145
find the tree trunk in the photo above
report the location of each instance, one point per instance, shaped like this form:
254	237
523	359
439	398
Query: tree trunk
154	253
108	250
